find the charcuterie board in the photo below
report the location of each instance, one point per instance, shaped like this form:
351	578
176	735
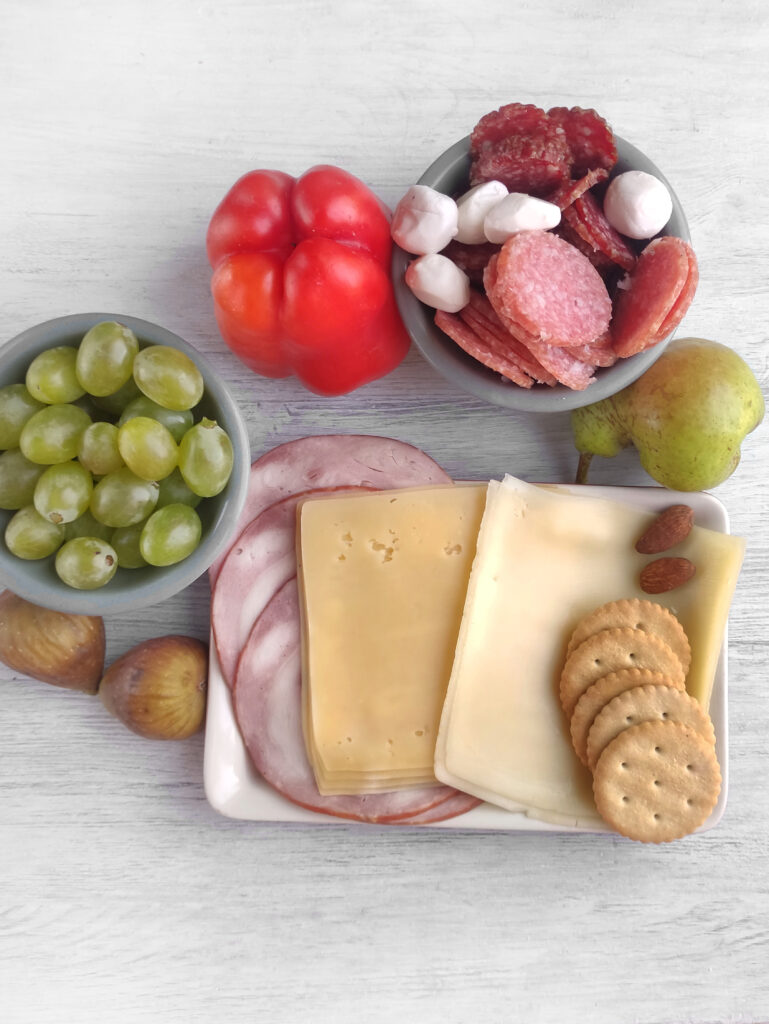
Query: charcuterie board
235	789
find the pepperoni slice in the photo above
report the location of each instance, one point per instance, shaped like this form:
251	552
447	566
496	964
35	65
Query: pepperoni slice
550	289
267	703
587	218
480	313
471	258
511	119
535	164
650	295
486	350
684	300
571	191
590	138
329	461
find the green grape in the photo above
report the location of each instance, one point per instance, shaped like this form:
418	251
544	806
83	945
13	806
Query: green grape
87	526
148	449
177	421
86	563
105	358
168	377
63	492
205	458
122	499
18	478
114	404
98	449
52	435
29	536
125	541
170	534
173	491
16	407
51	376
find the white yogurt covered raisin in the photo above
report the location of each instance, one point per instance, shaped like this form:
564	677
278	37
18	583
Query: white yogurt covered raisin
637	204
438	281
424	221
518	212
472	208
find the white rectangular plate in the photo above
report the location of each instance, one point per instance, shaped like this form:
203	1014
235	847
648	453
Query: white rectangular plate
234	789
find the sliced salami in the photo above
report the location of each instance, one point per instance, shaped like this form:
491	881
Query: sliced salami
684	300
486	350
258	564
535	164
471	258
649	295
267	703
590	138
330	461
550	289
571	191
511	119
587	218
480	312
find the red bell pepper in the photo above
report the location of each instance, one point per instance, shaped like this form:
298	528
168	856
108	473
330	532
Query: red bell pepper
301	281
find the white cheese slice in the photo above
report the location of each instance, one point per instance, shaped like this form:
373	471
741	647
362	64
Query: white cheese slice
544	560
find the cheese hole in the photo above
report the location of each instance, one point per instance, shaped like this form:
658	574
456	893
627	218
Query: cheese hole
349	739
343	558
419	732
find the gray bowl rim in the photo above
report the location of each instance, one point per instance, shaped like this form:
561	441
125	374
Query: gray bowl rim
473	377
125	593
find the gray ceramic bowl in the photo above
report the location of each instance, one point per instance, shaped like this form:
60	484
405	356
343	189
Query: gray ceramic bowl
129	588
450	174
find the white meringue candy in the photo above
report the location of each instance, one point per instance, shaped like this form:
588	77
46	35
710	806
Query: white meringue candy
637	204
472	208
424	221
439	282
519	212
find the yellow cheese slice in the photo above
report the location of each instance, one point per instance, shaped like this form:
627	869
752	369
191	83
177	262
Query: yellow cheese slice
545	559
383	578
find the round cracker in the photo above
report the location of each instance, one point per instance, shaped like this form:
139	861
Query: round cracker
657	781
635	613
612	650
601	692
645	704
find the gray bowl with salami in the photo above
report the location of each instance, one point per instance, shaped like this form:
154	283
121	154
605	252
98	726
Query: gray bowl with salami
508	345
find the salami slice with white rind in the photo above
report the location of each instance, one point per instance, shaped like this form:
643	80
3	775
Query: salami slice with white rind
267	700
330	461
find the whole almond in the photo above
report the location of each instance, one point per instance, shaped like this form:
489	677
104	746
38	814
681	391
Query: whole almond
669	528
665	574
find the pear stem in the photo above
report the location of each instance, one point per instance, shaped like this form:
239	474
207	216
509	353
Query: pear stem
582	467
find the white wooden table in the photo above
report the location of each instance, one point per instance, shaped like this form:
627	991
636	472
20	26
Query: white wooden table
123	896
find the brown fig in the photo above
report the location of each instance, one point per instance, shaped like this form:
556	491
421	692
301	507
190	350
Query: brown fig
158	688
65	650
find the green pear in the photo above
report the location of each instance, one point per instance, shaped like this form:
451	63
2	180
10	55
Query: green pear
687	416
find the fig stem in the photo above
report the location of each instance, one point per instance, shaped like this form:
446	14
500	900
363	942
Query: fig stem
583	466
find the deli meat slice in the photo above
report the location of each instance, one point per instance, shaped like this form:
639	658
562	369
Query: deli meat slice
571	191
331	461
590	138
471	258
511	119
548	287
267	699
650	295
483	347
587	218
257	565
684	300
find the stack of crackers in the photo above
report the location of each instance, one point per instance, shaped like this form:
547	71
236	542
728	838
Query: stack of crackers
649	744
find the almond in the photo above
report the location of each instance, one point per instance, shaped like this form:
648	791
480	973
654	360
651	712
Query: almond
669	528
665	574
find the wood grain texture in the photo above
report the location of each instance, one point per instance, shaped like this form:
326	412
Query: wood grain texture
124	897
